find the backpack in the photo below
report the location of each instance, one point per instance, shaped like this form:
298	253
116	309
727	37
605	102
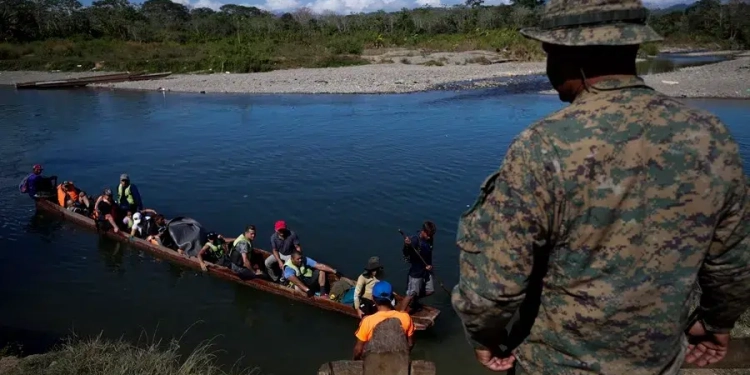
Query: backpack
348	298
23	186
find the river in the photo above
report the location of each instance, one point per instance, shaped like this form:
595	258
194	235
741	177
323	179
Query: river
344	171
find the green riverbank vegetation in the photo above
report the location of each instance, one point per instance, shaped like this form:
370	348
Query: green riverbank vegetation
161	35
97	356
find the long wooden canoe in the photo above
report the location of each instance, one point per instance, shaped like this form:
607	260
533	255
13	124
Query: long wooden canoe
423	319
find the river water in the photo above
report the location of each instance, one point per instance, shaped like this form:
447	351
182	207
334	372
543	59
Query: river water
344	171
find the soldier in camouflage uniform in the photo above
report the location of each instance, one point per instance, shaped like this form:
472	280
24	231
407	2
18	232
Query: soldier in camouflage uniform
626	197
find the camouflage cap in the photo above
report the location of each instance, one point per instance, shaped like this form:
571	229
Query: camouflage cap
593	22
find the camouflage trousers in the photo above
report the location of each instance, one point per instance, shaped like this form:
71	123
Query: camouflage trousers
673	368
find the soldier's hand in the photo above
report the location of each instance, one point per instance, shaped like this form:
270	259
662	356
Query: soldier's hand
493	363
706	347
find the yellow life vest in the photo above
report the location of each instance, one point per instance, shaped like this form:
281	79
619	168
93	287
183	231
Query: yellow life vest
303	271
127	194
216	250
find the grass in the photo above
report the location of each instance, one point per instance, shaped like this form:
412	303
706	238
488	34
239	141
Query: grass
97	356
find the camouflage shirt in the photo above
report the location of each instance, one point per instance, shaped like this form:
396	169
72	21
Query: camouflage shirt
631	198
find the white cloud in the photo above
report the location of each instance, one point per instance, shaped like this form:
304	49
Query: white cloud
272	5
215	5
430	3
355	6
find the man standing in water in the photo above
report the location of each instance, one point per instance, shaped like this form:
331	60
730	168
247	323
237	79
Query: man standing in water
621	202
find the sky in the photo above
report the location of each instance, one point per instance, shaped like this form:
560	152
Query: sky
355	6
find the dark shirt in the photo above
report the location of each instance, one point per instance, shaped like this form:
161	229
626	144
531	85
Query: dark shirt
104	208
285	246
417	269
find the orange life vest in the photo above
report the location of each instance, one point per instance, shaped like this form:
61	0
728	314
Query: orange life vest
63	195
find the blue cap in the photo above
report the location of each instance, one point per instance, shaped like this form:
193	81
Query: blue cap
382	290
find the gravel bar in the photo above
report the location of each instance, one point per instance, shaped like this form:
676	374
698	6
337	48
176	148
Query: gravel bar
728	79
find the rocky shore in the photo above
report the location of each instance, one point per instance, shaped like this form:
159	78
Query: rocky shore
728	79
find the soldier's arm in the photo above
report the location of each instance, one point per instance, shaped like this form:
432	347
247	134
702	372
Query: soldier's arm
497	238
725	275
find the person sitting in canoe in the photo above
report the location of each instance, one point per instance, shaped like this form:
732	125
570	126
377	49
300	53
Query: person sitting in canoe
158	233
382	293
136	222
72	198
307	275
156	229
36	185
241	253
283	243
213	250
105	211
363	290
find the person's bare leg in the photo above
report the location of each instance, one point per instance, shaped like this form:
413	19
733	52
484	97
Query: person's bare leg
404	304
85	200
322	281
114	225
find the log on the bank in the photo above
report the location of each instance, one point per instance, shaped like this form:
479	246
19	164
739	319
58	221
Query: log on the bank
417	367
387	353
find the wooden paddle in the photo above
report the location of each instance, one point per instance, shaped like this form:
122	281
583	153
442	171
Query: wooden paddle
425	263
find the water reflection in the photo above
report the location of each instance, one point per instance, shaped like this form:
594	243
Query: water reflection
45	224
111	253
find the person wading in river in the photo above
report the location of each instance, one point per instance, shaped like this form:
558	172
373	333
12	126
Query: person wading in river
619	203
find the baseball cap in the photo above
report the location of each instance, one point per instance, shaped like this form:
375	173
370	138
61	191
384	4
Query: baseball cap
124	176
382	290
279	225
37	166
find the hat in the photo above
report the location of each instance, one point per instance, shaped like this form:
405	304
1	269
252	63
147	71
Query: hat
373	263
382	290
279	225
593	22
107	191
137	218
124	176
37	166
212	236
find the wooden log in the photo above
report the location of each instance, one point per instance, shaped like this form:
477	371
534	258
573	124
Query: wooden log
387	352
420	367
417	367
